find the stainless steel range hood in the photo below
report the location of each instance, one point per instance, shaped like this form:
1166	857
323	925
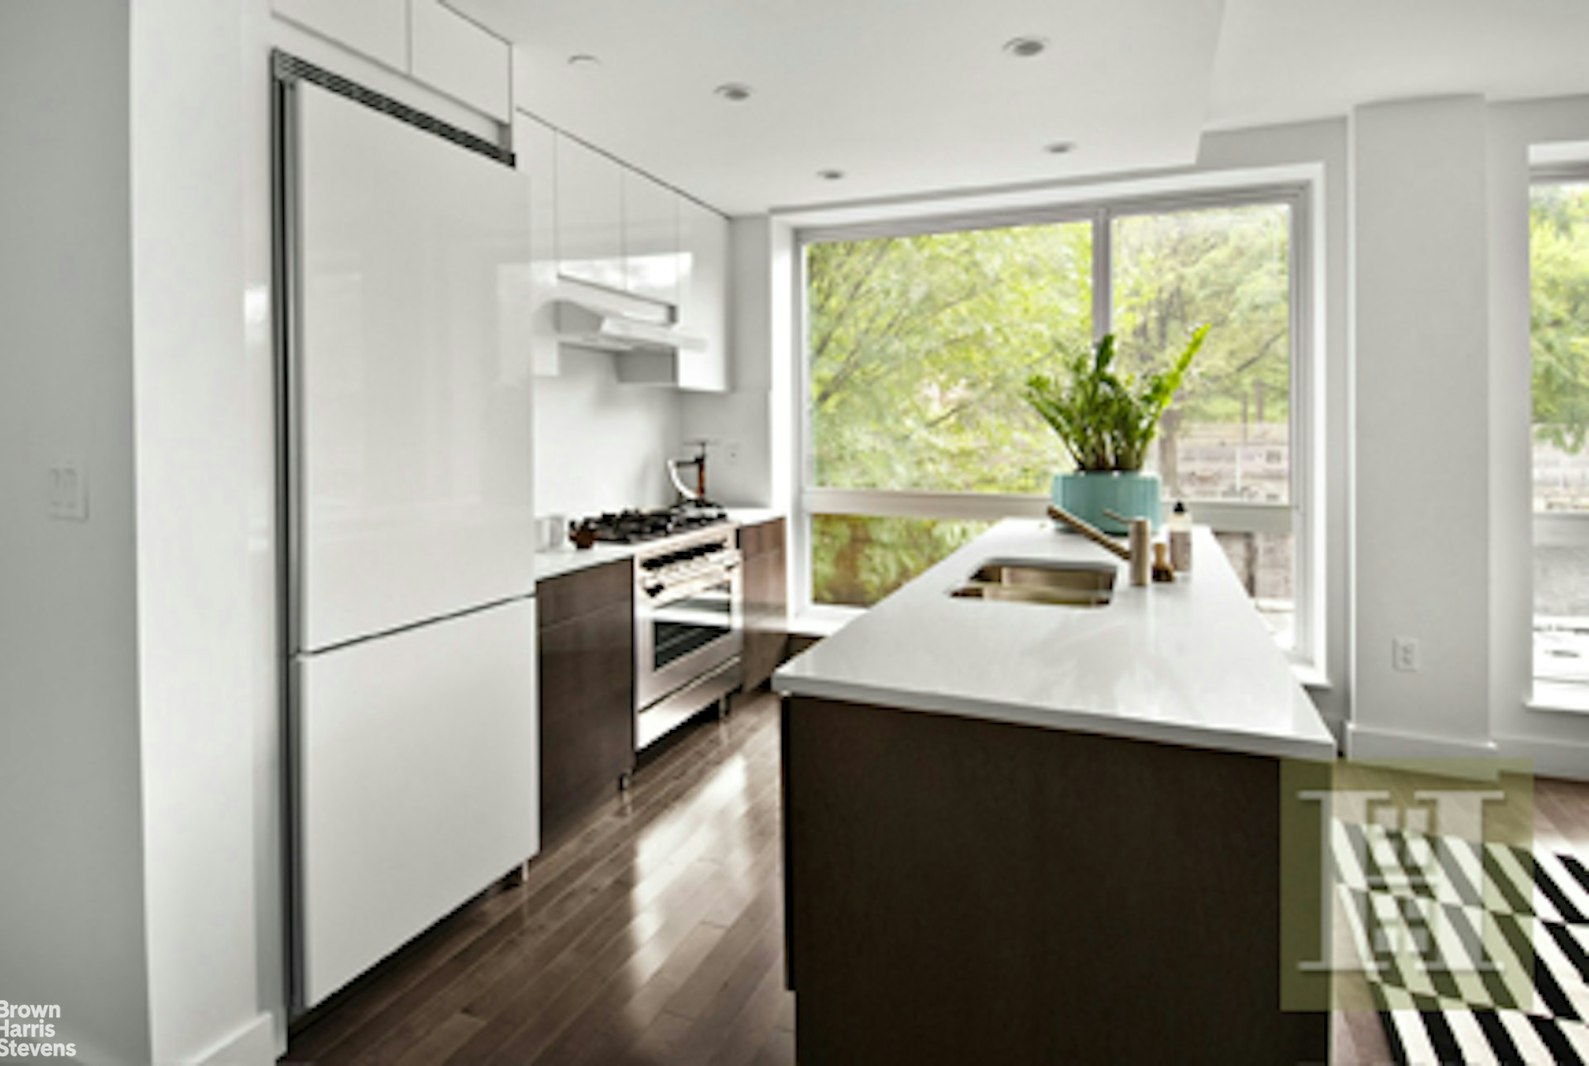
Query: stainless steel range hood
591	321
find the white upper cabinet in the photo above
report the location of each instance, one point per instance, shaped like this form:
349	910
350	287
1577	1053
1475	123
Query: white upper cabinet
650	238
535	144
703	296
375	28
454	55
589	215
423	39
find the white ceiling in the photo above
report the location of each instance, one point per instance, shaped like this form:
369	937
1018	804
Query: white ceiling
915	96
1282	60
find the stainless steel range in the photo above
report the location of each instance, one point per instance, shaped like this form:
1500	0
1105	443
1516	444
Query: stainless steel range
689	627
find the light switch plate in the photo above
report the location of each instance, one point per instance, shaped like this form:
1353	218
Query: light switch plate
68	487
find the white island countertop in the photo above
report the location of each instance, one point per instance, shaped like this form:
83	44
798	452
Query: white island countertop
1187	663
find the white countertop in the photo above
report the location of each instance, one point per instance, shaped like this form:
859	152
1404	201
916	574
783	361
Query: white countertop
555	562
565	559
751	516
1187	663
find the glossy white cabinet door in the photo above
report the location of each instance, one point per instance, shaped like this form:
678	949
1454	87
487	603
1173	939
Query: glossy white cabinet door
650	238
417	783
462	60
374	28
589	215
535	144
703	296
414	408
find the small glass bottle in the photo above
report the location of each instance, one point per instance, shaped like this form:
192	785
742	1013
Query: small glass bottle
1181	538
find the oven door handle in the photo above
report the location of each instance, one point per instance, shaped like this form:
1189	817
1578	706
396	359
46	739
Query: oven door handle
667	594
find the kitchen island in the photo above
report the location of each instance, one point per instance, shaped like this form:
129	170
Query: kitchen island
1028	832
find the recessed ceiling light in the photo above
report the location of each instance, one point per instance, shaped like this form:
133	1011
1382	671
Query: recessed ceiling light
1059	147
1025	47
733	90
830	175
583	59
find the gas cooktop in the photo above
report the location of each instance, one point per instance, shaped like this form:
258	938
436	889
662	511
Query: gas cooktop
633	527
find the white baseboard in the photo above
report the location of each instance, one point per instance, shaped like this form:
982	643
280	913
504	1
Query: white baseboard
252	1045
1551	758
1389	745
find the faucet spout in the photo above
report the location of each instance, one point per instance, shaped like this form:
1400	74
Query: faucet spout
1088	530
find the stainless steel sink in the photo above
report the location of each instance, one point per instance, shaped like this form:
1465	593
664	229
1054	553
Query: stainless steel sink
1040	581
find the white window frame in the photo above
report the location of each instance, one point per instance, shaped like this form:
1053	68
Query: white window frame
1559	528
1300	515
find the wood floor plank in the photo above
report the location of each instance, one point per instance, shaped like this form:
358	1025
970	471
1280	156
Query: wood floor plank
610	1026
590	985
711	979
623	959
778	1050
758	1020
435	1045
730	1006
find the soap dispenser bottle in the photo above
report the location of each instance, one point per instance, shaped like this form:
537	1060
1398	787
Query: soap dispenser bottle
1180	538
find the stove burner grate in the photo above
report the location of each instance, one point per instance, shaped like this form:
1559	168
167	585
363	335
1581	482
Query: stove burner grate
633	527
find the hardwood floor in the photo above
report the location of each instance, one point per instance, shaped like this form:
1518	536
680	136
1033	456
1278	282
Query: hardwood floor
652	933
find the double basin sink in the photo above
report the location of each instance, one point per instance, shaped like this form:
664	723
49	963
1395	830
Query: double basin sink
1070	584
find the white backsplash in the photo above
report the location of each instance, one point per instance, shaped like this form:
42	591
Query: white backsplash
599	445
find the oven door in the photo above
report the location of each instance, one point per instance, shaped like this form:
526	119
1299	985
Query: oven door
685	631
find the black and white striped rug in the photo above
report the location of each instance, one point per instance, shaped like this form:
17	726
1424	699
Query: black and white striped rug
1475	952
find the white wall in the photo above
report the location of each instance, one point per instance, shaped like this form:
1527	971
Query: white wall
71	896
599	445
198	694
1421	415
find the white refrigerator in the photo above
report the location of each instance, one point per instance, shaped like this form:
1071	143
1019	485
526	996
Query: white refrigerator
411	709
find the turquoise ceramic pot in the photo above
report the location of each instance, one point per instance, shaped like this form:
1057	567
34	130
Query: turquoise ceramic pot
1127	492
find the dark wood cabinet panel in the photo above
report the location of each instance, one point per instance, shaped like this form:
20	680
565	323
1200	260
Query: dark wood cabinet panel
766	600
583	591
1096	899
587	691
762	537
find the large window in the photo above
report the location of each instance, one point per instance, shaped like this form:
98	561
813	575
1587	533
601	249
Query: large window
1559	278
918	342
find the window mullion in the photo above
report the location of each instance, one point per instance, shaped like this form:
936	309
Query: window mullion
1102	274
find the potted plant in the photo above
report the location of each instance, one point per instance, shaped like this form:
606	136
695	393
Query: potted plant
1106	422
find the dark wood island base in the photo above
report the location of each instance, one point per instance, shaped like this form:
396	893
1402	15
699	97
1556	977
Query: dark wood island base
968	891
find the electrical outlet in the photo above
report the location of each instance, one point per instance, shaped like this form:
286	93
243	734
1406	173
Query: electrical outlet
1404	654
68	482
731	452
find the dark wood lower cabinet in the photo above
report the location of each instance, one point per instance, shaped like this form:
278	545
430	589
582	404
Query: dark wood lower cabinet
766	600
587	691
959	891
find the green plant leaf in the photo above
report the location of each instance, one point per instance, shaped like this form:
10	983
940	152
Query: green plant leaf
1106	422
